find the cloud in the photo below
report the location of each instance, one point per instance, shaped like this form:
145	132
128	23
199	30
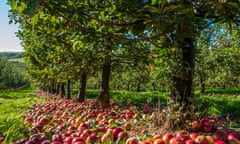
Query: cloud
10	50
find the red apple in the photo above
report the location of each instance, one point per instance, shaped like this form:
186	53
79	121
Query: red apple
122	137
207	127
1	139
196	125
92	139
193	135
45	142
68	139
183	135
210	139
84	125
219	142
78	139
132	140
190	141
43	121
201	140
167	137
158	141
116	131
233	135
219	135
175	140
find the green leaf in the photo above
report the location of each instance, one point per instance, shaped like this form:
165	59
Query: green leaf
156	2
152	9
12	3
34	20
31	6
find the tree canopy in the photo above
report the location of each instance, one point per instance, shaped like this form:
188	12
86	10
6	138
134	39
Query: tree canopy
64	40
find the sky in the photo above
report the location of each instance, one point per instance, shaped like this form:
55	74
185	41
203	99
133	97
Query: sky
8	40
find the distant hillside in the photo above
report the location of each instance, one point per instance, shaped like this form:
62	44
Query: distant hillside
16	58
11	55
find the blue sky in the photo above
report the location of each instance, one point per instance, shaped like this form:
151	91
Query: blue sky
8	39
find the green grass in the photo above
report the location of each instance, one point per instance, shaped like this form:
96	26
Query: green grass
13	104
221	101
126	97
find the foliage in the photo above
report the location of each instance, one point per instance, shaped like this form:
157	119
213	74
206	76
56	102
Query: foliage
11	76
65	39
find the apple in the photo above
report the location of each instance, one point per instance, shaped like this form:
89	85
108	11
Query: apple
157	136
201	139
1	139
116	131
233	135
219	142
132	140
183	135
92	139
175	140
193	135
196	125
68	139
145	142
56	137
190	141
122	137
167	137
207	127
84	125
219	135
85	133
45	142
78	139
43	121
210	139
158	141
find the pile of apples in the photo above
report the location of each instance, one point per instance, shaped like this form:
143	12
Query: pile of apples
68	122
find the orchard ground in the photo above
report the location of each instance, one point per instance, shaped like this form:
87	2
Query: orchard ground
25	117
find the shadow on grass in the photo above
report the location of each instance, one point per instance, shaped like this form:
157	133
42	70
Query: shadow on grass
7	97
228	91
222	105
125	97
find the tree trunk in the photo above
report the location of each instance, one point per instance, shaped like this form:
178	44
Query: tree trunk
62	91
181	89
68	92
103	99
82	88
58	89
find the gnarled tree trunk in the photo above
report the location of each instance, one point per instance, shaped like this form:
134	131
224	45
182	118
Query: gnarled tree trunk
181	88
